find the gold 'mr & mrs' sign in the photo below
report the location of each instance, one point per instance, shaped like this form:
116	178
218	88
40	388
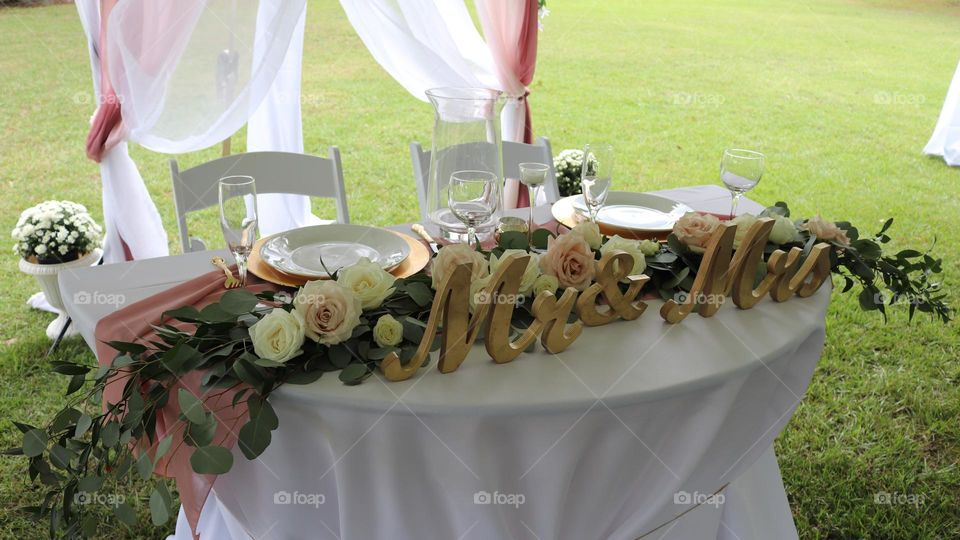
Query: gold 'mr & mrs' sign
722	273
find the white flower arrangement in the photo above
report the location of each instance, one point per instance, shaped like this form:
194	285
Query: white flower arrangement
568	165
56	232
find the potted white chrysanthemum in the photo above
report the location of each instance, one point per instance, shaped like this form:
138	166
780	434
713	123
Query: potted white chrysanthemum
567	165
53	236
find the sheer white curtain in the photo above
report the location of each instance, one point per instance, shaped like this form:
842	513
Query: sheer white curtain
188	75
946	136
128	210
432	43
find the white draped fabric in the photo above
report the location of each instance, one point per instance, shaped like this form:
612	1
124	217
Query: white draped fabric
946	136
276	126
426	44
128	209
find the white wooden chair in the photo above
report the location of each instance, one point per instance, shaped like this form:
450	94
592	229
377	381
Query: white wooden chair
513	155
275	172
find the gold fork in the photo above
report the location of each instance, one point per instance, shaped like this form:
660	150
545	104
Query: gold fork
230	282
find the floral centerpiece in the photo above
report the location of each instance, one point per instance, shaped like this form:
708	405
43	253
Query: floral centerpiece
568	165
55	232
248	345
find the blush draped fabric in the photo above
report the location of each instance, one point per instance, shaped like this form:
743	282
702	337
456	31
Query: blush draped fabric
134	324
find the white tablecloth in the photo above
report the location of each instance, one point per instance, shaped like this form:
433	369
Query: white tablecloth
615	436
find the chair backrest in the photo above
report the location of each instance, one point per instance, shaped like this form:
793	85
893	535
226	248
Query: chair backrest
275	172
513	155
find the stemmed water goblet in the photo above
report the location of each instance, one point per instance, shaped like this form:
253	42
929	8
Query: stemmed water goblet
740	171
596	175
238	218
532	175
472	197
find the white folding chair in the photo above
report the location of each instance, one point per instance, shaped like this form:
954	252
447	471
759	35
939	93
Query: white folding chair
513	155
275	172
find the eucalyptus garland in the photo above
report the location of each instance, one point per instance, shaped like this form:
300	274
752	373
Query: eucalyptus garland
87	450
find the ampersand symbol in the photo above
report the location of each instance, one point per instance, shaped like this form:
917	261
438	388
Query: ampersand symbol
613	267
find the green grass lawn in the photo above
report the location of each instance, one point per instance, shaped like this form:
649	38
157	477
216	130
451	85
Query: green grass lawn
840	94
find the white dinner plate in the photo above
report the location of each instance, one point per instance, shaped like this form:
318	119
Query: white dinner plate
636	211
312	251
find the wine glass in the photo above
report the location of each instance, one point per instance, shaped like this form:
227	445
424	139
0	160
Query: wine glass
740	171
596	175
472	197
532	175
238	218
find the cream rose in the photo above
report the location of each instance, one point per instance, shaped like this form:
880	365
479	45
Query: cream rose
388	332
649	247
545	283
330	311
530	273
743	223
783	230
590	232
827	231
632	248
452	255
477	296
368	281
278	336
695	230
569	259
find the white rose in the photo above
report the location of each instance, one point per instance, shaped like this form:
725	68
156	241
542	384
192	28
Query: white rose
783	230
388	332
530	273
370	283
330	311
278	336
590	232
743	223
631	247
545	283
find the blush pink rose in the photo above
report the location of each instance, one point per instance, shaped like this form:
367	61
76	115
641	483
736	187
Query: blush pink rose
695	229
453	255
330	311
827	231
570	260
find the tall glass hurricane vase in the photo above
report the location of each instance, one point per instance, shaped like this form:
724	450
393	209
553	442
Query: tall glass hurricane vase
466	137
238	218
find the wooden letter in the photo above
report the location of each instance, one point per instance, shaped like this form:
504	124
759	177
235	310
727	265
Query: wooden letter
556	335
503	292
711	281
613	267
743	269
459	329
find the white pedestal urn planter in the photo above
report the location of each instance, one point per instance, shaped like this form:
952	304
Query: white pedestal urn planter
46	275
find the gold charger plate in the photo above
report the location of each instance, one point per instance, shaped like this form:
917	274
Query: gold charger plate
417	260
565	213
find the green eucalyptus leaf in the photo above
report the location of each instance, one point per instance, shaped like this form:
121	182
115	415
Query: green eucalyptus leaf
238	301
540	238
354	374
144	466
187	314
211	460
191	406
125	514
513	240
76	383
83	424
60	456
159	511
420	293
90	484
163	446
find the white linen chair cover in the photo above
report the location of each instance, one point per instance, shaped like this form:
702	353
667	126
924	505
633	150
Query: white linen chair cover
514	153
275	173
